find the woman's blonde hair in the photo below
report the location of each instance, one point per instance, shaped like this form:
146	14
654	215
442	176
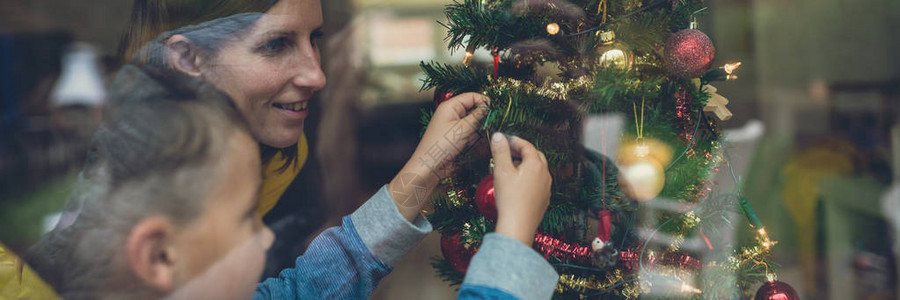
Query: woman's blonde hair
150	18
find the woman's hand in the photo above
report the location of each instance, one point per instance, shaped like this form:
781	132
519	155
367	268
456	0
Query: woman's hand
451	129
522	189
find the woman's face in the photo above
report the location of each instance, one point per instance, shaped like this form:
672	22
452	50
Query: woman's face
273	70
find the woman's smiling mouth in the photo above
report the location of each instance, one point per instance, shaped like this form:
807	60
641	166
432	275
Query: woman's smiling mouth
296	110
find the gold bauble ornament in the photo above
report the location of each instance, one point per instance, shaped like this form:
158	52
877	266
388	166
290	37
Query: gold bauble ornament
642	180
613	53
642	173
636	149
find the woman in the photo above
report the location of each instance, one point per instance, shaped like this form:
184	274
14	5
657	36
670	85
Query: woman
262	53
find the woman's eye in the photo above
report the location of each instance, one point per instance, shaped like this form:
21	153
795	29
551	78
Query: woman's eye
315	37
275	46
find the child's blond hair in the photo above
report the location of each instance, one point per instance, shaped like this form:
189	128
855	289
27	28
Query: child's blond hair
155	154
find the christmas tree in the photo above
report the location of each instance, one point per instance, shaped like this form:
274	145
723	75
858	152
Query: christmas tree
641	223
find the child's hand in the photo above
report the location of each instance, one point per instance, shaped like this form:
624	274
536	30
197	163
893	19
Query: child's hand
522	189
451	129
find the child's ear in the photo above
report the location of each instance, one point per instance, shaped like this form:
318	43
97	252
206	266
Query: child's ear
150	254
182	55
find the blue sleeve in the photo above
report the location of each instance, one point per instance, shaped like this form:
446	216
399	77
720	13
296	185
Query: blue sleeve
504	268
337	265
347	262
481	292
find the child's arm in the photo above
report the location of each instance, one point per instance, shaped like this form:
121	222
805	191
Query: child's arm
347	262
505	266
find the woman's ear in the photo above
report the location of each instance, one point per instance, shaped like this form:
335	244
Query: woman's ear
150	253
182	55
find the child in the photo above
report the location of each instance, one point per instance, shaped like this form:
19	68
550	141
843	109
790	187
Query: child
166	207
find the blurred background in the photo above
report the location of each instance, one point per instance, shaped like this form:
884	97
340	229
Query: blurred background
814	138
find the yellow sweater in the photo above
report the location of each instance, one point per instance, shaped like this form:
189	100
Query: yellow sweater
275	182
18	281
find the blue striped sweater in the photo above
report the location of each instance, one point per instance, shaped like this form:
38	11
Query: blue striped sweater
347	262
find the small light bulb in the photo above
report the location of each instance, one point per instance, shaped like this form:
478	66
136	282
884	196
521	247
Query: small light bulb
552	28
686	288
468	59
766	242
729	68
731	77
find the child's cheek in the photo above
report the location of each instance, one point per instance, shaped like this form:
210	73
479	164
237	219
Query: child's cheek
234	276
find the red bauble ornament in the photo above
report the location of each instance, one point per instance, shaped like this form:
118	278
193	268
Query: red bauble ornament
485	200
689	53
455	253
776	290
440	96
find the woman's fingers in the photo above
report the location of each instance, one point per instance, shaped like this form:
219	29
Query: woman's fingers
462	114
475	116
461	104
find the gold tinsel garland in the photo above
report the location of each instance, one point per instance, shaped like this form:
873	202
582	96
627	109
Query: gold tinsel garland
557	91
631	5
589	285
749	256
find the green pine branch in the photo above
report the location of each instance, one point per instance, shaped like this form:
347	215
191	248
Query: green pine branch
454	79
446	272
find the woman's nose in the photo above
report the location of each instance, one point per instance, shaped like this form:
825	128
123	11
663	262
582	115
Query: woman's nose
267	237
309	74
